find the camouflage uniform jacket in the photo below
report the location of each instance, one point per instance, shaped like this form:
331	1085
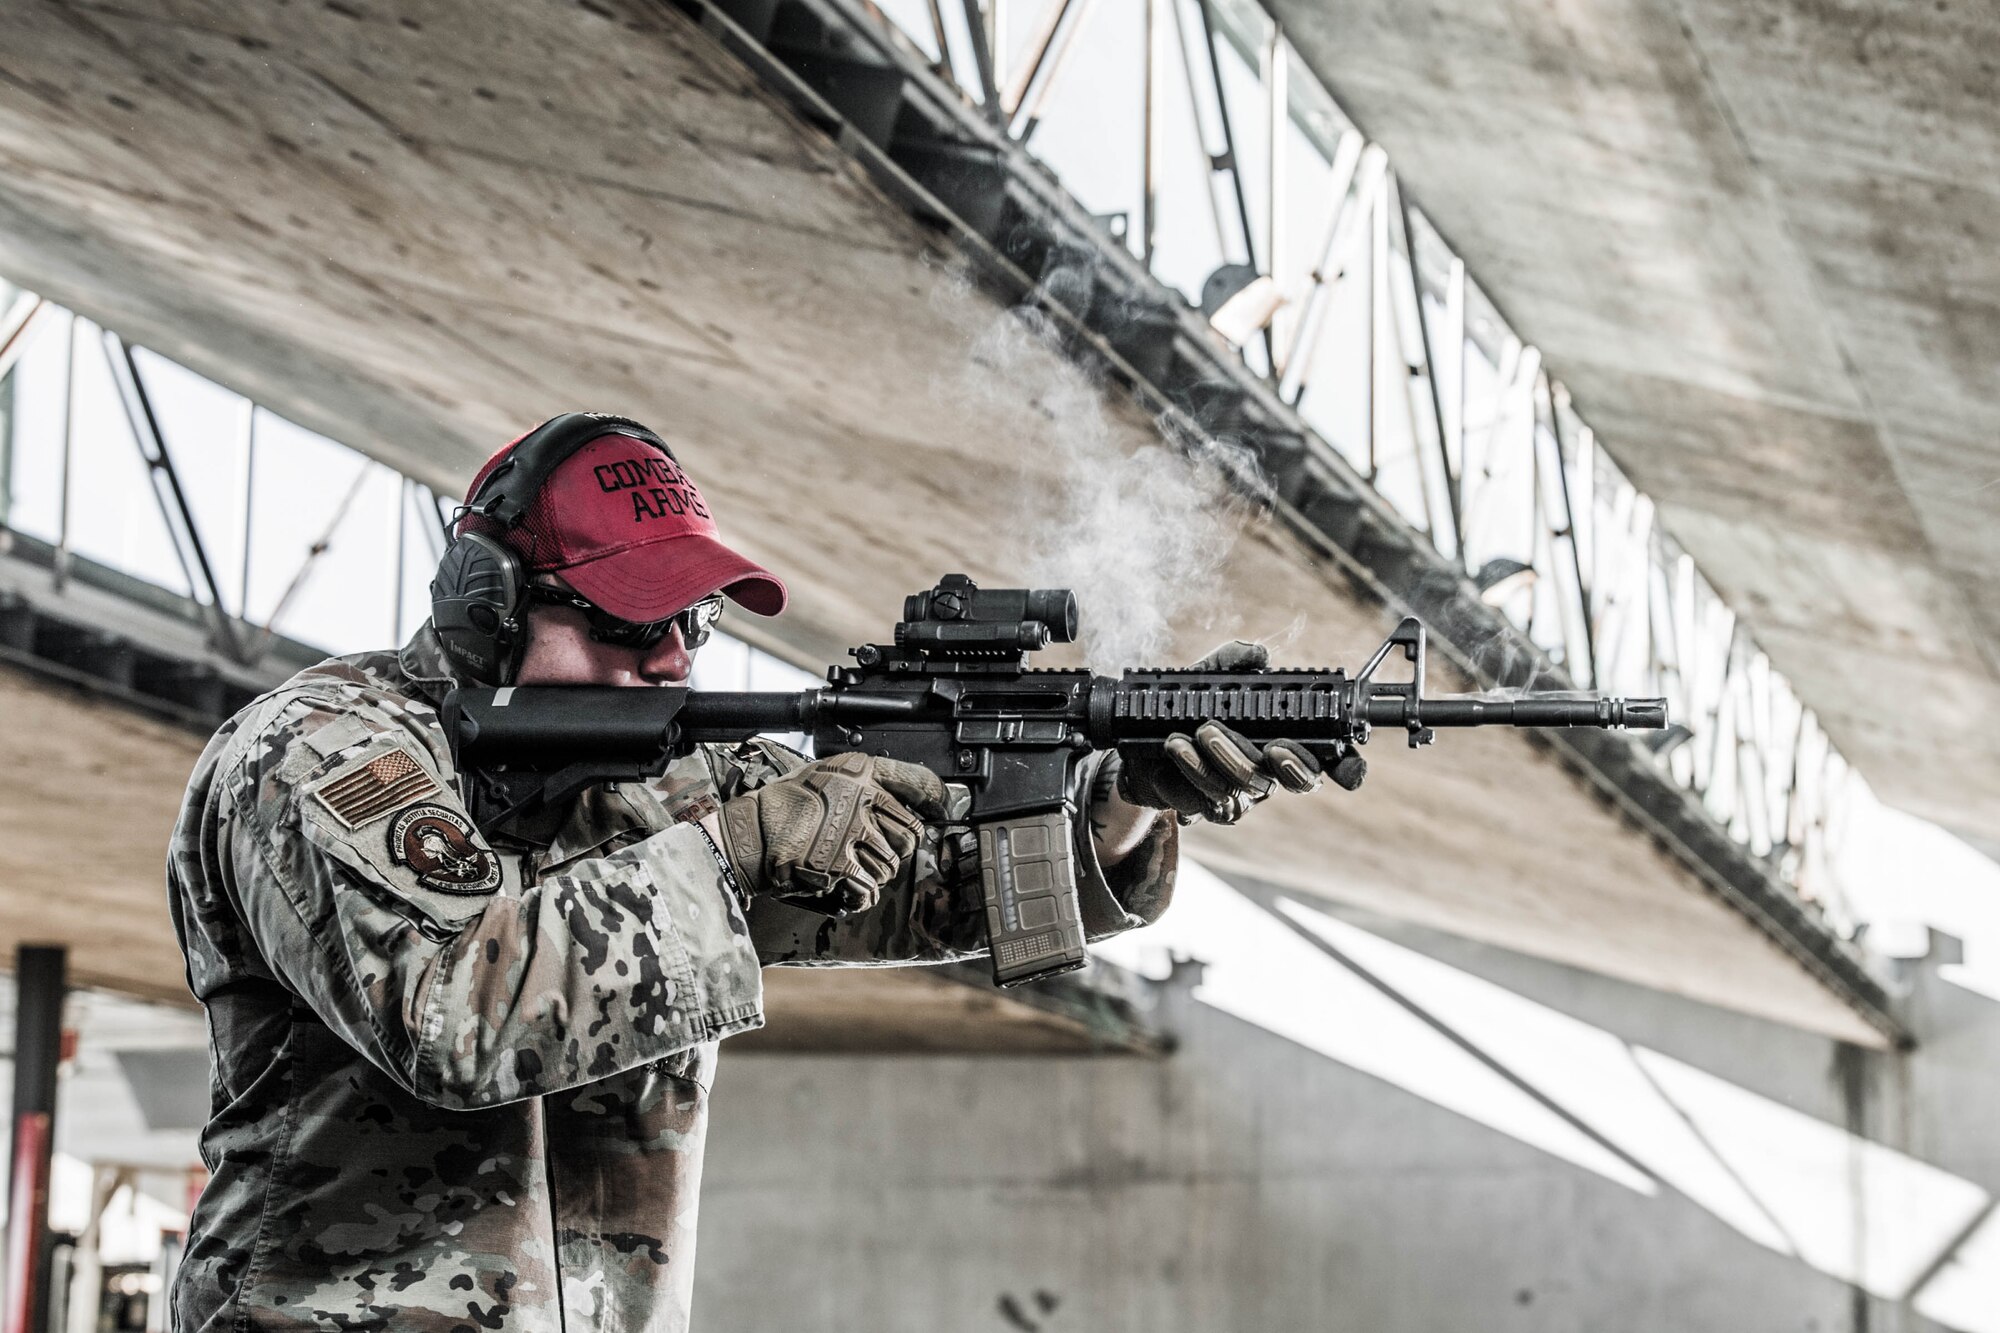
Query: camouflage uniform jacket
460	1084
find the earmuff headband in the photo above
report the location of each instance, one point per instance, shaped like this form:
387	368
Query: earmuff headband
506	492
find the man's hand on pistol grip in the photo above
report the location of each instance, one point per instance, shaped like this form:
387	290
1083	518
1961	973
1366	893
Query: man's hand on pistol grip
830	836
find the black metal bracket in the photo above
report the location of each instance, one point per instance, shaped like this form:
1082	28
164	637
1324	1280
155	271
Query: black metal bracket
1409	636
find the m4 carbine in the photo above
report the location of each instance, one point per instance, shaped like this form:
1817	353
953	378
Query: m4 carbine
955	694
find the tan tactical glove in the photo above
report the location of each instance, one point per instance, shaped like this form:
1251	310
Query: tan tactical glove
830	836
1217	774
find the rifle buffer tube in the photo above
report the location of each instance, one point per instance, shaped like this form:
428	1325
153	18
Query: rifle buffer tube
606	724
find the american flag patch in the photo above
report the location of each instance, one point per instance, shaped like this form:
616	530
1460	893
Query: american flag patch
385	783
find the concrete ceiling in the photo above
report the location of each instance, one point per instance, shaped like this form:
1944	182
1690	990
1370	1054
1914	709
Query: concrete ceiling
1760	241
417	230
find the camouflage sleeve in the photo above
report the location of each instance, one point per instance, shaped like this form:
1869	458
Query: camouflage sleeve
934	912
371	894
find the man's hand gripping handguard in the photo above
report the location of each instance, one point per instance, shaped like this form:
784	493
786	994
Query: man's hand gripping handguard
1216	774
833	835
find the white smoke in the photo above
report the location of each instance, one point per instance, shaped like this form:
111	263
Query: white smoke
1279	643
1140	534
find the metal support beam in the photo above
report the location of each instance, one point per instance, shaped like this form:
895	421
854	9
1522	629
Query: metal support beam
1036	54
946	65
1379	331
1200	141
1417	401
1553	493
17	328
1347	160
404	487
1235	164
174	507
447	518
311	559
68	454
1058	60
1577	517
1454	341
1150	130
249	510
982	57
1430	352
39	972
1229	159
996	48
1278	113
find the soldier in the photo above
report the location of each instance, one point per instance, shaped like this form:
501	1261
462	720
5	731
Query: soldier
461	1075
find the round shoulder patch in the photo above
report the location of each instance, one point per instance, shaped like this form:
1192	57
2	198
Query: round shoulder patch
437	842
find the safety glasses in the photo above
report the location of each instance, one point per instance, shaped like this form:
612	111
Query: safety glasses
697	622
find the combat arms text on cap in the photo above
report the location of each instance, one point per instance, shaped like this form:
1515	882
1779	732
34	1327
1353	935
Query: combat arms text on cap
625	526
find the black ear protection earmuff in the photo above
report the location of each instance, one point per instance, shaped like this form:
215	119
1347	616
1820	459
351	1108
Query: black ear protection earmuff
478	594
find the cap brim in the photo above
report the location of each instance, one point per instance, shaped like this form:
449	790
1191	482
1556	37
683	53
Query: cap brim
653	581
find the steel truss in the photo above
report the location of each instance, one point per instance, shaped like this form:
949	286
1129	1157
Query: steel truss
1497	517
188	659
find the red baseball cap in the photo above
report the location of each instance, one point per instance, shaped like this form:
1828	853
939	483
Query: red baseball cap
625	526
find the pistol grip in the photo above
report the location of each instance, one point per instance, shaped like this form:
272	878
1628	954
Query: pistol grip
1034	923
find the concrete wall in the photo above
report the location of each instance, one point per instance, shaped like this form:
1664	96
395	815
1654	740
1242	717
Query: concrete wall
1251	1182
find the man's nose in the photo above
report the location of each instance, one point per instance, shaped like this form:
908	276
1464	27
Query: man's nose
668	662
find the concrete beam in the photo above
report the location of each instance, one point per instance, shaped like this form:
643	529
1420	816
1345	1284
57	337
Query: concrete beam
1756	241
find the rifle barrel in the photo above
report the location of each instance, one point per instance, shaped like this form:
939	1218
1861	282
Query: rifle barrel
1526	711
